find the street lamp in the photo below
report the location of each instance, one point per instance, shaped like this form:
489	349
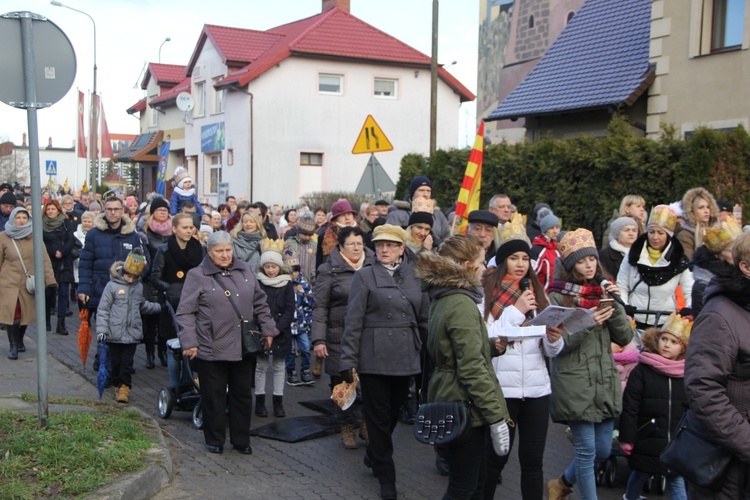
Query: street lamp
96	180
168	39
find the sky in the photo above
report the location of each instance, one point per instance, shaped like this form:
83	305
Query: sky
129	33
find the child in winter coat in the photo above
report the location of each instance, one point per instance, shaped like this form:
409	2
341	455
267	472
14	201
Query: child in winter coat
276	281
544	252
653	404
118	319
300	326
183	192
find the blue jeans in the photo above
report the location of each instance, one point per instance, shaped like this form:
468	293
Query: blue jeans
637	480
592	441
300	342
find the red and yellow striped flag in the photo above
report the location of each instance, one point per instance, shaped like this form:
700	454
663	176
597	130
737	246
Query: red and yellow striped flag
468	196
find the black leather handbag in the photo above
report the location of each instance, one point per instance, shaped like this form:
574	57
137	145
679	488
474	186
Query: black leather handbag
442	423
693	454
251	343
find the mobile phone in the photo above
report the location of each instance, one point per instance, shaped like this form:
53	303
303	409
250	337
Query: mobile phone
605	303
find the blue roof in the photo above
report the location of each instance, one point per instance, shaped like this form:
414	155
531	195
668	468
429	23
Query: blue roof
600	59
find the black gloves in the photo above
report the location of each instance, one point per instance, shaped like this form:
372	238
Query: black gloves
347	376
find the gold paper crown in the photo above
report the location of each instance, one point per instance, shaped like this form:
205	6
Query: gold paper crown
517	218
575	240
720	237
423	205
135	263
679	327
512	231
269	245
663	216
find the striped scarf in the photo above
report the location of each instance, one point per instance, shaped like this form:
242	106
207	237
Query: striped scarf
586	296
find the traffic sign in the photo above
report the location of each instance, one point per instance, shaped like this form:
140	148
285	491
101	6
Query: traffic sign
51	167
371	138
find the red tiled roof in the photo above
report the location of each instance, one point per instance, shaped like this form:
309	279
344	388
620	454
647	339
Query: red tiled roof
137	107
165	75
236	46
170	95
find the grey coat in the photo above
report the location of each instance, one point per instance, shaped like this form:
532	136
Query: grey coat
330	298
206	317
120	309
383	322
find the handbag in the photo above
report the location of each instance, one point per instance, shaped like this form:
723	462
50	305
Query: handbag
693	454
30	283
443	423
249	333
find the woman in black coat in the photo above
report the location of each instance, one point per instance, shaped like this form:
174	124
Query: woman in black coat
62	248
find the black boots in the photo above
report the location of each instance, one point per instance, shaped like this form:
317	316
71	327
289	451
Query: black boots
278	406
21	333
60	330
162	357
12	341
150	364
260	405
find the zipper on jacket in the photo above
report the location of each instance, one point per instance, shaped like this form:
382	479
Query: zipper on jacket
523	371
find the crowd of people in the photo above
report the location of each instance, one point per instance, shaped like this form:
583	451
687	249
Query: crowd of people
390	296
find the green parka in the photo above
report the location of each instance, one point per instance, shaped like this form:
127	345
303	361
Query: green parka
457	341
585	382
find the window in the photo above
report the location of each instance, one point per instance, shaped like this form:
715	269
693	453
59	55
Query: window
569	17
199	96
330	84
728	17
215	162
386	87
154	116
218	96
311	159
531	22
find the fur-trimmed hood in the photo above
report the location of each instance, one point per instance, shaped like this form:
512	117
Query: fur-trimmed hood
732	284
441	272
687	206
127	226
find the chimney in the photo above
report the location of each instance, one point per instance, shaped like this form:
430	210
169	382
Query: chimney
49	143
330	4
24	139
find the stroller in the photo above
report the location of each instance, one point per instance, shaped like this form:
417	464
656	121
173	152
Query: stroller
184	395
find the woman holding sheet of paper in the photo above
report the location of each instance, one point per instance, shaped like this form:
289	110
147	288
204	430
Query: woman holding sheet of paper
512	292
586	389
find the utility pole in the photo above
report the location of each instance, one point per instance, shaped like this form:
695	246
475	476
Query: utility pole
434	79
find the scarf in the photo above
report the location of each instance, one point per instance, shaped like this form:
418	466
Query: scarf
660	364
505	294
49	225
278	282
617	246
186	193
185	259
586	296
355	265
330	239
656	276
625	358
161	228
653	255
18	232
391	268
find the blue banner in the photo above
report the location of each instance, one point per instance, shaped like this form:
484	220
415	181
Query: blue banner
212	137
161	173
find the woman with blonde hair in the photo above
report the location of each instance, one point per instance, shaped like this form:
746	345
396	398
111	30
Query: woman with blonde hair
700	212
633	206
246	238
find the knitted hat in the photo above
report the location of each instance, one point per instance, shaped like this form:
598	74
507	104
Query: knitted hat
618	225
341	207
721	237
94	205
483	217
421	218
8	198
417	183
548	222
423	209
662	216
576	245
677	208
156	203
389	232
135	263
679	327
512	237
291	259
271	252
6	185
180	176
205	228
306	223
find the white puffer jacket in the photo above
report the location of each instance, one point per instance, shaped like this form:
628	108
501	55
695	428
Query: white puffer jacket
521	371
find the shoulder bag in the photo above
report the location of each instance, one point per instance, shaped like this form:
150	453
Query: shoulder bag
443	423
251	344
30	283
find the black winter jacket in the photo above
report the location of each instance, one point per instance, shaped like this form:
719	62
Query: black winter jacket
282	303
63	240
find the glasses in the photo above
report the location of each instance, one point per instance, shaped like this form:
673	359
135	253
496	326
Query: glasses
387	245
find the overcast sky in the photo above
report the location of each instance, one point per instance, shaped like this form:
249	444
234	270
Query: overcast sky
129	32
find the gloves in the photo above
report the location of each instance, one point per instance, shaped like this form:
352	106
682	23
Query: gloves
102	337
626	448
630	310
346	375
500	437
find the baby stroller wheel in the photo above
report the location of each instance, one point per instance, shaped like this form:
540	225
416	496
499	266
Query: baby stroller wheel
165	402
198	415
610	471
599	473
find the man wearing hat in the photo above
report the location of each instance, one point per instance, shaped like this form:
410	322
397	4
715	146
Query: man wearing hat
419	187
7	204
382	207
483	225
302	245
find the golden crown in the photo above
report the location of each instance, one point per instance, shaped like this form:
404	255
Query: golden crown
518	219
423	205
720	237
269	245
574	241
512	231
662	216
679	327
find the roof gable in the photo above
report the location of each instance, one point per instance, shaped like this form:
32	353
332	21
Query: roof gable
165	75
170	96
236	46
600	59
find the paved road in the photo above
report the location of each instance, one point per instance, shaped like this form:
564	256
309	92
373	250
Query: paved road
317	468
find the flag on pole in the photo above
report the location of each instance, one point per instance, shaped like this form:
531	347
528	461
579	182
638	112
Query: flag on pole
94	129
85	188
81	143
468	196
161	173
106	139
65	185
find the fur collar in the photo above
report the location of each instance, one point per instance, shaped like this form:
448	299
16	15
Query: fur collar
704	259
673	253
687	206
126	227
440	272
732	284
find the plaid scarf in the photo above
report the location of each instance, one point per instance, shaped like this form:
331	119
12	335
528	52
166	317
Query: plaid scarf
505	294
586	296
330	239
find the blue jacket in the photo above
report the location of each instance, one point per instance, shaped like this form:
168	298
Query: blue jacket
176	201
3	220
103	247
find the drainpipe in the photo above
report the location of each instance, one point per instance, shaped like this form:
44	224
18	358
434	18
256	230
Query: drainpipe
252	132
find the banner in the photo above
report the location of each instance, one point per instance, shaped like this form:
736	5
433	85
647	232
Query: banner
212	137
94	129
106	139
161	173
81	143
468	196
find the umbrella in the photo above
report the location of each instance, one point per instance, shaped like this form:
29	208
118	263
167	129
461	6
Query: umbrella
84	336
103	375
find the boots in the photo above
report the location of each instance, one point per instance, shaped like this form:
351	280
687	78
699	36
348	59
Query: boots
162	357
278	406
558	490
122	395
150	364
117	392
260	405
21	333
47	323
60	330
348	441
12	341
363	432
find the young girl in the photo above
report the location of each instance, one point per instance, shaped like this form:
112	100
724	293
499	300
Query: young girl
544	250
276	280
183	191
653	404
586	389
118	319
521	370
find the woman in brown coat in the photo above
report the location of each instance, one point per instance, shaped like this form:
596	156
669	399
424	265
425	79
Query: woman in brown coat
17	309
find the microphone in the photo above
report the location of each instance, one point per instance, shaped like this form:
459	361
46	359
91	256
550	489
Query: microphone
526	285
604	282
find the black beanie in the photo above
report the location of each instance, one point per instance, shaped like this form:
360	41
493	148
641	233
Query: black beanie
8	198
421	218
158	202
418	182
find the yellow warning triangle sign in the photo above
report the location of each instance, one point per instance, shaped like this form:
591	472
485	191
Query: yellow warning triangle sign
371	138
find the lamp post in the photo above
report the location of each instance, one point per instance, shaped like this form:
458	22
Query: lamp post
434	78
94	114
168	39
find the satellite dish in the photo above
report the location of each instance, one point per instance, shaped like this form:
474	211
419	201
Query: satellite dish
185	102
